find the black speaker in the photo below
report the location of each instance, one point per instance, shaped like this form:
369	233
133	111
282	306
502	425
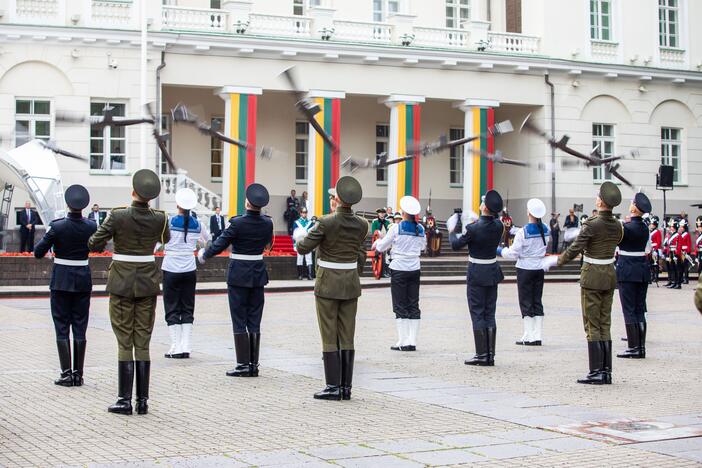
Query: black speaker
665	177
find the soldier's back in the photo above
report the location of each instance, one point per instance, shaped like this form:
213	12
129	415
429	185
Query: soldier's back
137	229
344	233
607	232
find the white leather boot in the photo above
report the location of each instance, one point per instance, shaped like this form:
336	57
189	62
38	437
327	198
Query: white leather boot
185	339
175	332
413	331
400	336
538	328
526	336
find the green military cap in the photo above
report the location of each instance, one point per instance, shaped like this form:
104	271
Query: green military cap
146	184
610	194
349	190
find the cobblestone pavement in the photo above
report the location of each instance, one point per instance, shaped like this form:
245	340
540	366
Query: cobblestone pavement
408	409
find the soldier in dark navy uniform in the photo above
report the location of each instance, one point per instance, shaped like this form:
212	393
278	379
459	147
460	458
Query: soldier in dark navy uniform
633	276
71	282
484	274
249	235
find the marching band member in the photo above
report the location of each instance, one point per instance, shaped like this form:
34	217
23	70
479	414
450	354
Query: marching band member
407	240
180	273
633	276
484	273
685	251
529	249
304	262
667	227
698	243
71	282
674	246
339	238
249	235
381	225
656	239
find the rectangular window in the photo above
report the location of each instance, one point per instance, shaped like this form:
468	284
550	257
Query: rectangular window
457	13
382	138
217	151
302	132
513	15
384	8
671	151
216	4
32	120
456	158
300	7
669	23
603	140
108	146
601	20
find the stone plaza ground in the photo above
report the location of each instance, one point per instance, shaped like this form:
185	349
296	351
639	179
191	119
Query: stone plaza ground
408	409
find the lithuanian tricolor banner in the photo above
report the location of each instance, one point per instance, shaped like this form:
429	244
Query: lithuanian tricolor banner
323	163
482	174
403	178
239	163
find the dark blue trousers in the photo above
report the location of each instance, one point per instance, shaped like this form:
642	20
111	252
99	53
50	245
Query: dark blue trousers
633	299
70	311
482	302
246	308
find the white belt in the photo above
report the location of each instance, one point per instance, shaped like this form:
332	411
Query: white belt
179	254
337	266
133	258
597	261
632	254
63	261
251	258
481	261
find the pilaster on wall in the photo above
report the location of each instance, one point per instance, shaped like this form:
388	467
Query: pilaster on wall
239	164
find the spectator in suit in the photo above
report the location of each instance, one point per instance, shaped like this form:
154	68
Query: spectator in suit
28	218
292	211
96	215
216	224
555	228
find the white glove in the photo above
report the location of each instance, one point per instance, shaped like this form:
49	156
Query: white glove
468	218
451	222
549	262
299	234
201	256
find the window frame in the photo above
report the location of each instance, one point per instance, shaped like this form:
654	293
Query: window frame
456	8
32	118
381	15
383	140
596	27
602	174
457	153
303	6
679	172
220	149
305	139
664	35
107	140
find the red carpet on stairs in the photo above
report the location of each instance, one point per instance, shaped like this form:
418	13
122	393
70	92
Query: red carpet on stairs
283	244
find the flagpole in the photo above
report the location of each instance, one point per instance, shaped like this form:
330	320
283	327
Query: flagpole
142	97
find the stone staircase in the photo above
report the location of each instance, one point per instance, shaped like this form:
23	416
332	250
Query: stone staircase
207	200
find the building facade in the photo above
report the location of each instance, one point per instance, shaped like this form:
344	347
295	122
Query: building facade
621	75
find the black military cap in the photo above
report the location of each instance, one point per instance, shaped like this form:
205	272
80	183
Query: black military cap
698	222
77	197
349	190
146	184
257	195
493	201
642	202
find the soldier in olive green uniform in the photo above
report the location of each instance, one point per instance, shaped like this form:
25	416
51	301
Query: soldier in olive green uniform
133	284
341	255
598	240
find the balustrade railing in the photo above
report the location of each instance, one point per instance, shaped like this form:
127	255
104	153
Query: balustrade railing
111	13
604	51
513	43
672	57
207	200
273	25
193	19
39	11
356	31
441	37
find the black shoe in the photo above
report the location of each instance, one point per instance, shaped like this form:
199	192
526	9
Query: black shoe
482	349
607	360
532	343
254	346
643	327
243	356
596	376
396	348
78	361
676	286
64	351
634	343
125	374
143	371
409	348
332	375
347	358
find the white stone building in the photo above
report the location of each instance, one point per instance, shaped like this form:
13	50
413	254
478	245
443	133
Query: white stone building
625	75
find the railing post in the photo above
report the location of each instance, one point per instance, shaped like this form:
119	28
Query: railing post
239	11
402	28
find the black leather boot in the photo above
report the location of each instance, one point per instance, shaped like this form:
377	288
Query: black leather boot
125	374
300	271
254	346
492	339
607	360
243	356
143	372
310	273
595	352
332	375
482	349
64	352
633	350
347	356
78	361
643	326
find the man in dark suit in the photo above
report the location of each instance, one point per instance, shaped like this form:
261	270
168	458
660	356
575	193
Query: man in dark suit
216	224
97	216
28	218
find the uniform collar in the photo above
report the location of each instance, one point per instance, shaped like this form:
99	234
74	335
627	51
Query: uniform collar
486	217
253	213
74	215
343	209
138	204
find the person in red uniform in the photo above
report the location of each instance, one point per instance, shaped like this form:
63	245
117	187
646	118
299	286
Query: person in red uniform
668	227
675	247
698	244
686	247
656	238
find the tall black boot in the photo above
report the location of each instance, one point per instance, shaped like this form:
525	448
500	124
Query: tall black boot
595	353
254	346
64	352
642	338
310	272
634	342
347	356
243	356
143	372
482	349
492	339
607	360
78	361
125	376
300	271
332	376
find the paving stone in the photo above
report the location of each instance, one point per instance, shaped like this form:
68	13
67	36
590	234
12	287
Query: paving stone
335	452
446	457
468	440
567	444
406	445
672	446
500	452
275	457
525	435
389	461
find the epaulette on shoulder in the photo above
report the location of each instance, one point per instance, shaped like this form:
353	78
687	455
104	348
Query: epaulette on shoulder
57	219
119	208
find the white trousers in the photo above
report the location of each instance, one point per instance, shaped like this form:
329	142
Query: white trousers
307	258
